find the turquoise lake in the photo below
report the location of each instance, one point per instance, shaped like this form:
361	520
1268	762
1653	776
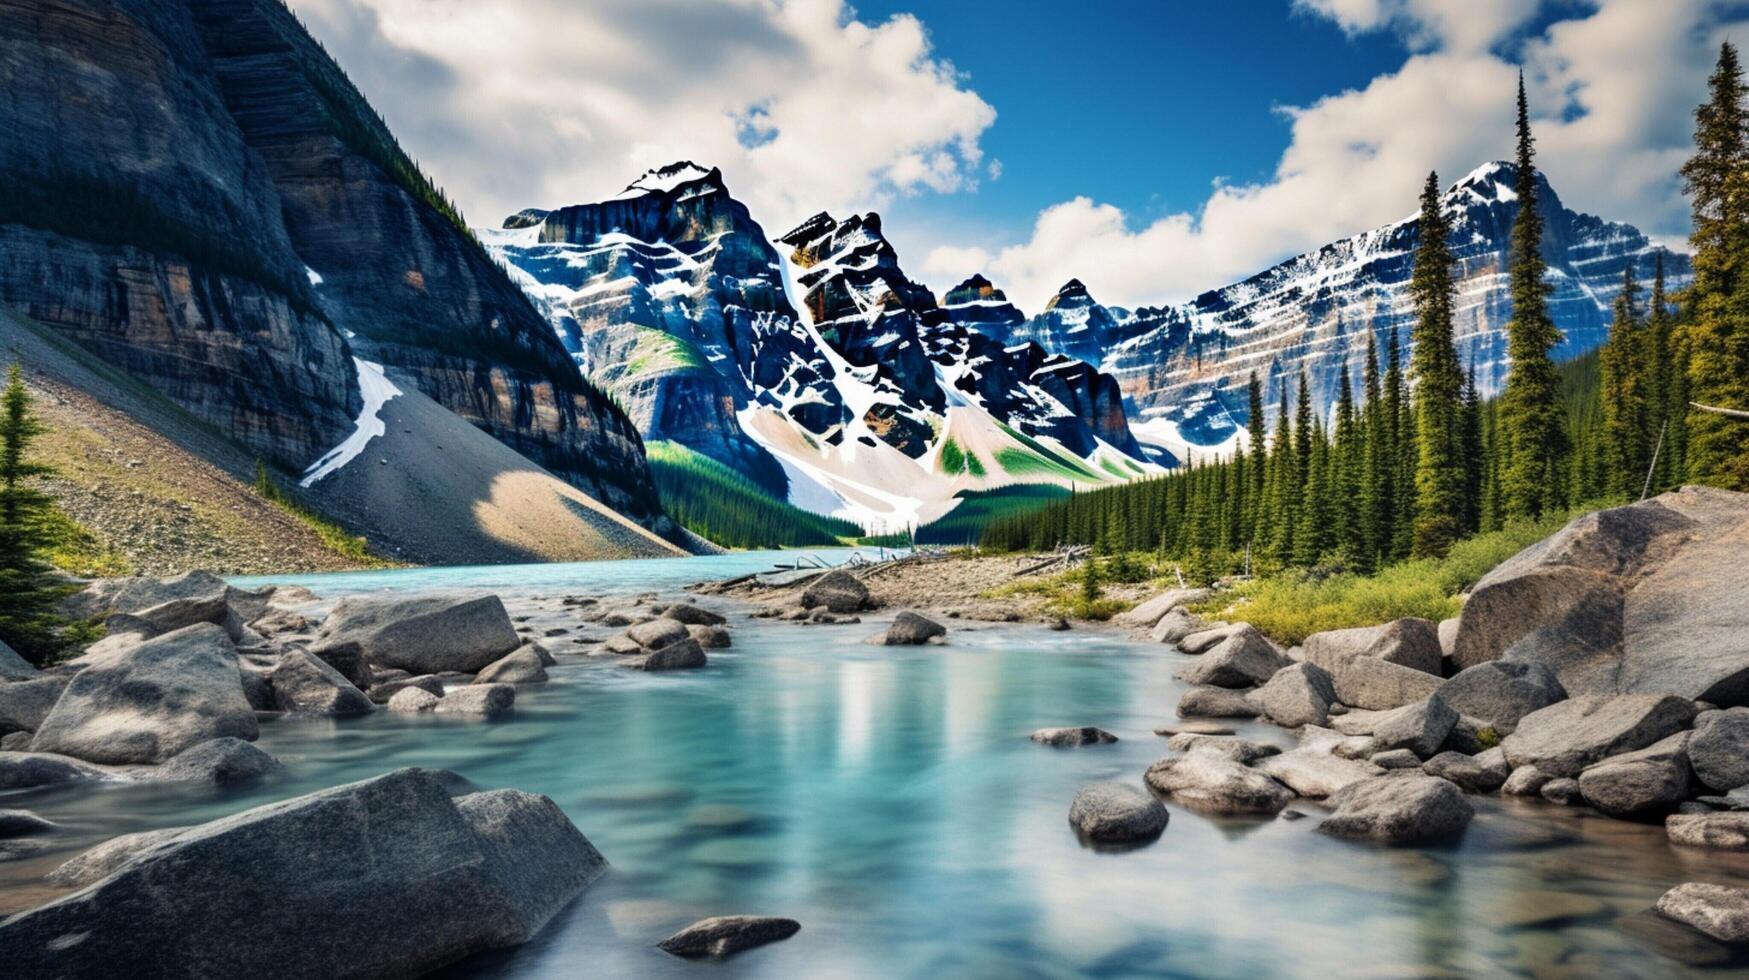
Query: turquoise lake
890	801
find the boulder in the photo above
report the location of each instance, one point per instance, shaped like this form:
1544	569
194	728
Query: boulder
657	633
385	692
1207	780
1147	614
257	685
1420	727
1174	626
1727	831
1396	759
1718	911
522	666
151	702
726	935
1215	702
24	704
23	770
1719	750
412	701
1563	738
15	742
1375	685
1399	810
684	655
347	658
393	875
1412	643
692	615
622	645
225	761
212	607
1482	773
1651	780
22	823
423	635
1500	692
910	629
1641	599
710	637
1237	749
488	701
106	597
1116	813
14	667
1358	721
306	685
1564	790
1073	736
838	591
1298	694
1314	769
1525	781
1207	638
101	861
1244	658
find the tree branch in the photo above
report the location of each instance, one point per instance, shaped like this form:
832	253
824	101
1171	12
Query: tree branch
1731	412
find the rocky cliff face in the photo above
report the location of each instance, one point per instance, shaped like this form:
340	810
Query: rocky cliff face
136	220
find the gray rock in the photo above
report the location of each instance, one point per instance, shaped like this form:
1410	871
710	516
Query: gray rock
1115	813
306	685
1193	728
726	935
1719	750
385	692
1207	638
1564	791
622	645
1373	684
1412	643
1237	749
657	633
397	879
1563	738
14	667
225	761
1244	658
1525	781
1298	694
838	591
684	655
523	666
22	823
1737	799
1399	810
1174	626
1716	910
24	704
1721	831
15	742
1471	736
1358	721
1215	702
23	770
1447	636
151	702
488	701
710	637
910	629
1420	727
1207	780
348	658
1482	773
257	683
1396	759
106	597
1313	769
692	615
412	701
1148	614
213	607
1073	736
1500	692
1651	780
423	635
101	861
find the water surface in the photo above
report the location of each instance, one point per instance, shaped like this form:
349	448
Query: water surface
890	800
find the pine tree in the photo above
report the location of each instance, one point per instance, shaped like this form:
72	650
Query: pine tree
1716	339
1375	477
1624	449
1439	463
1661	382
28	590
1475	460
1259	453
1284	473
1312	537
1532	421
1346	470
1399	457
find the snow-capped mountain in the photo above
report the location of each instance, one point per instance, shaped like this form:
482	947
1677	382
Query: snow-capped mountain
809	362
1183	369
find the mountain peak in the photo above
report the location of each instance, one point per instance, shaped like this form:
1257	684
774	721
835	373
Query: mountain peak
974	290
664	180
1072	293
1497	182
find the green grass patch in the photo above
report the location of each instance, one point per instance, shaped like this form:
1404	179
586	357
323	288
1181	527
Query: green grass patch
659	350
1293	605
953	459
73	548
1046	461
334	537
977	508
718	503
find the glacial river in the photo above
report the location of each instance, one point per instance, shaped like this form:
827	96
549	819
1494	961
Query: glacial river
889	800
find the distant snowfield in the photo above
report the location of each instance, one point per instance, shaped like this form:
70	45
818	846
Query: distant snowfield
1165	434
377	389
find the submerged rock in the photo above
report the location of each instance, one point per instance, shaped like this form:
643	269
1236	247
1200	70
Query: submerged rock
22	823
1718	911
1208	780
225	761
394	877
1073	736
657	633
726	935
1115	813
23	770
1399	810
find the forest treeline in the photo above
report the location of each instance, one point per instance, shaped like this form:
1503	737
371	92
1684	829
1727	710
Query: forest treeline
1415	461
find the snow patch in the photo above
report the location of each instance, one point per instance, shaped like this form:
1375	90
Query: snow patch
377	389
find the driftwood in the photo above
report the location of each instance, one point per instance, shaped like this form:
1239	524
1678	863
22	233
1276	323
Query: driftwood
1065	557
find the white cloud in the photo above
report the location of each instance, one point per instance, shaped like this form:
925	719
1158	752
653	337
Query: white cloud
1612	92
517	103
